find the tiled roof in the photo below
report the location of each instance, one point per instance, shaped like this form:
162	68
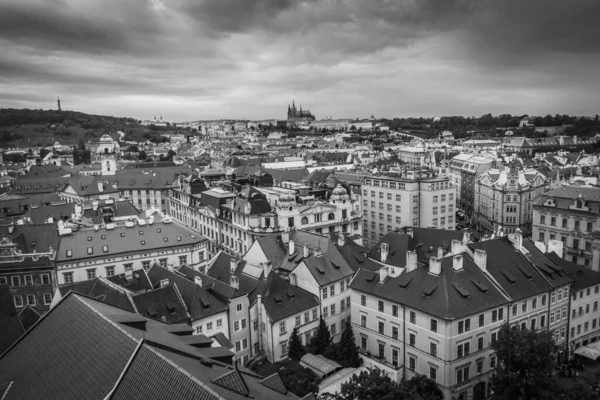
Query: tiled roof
221	290
233	381
223	341
32	237
551	271
153	376
100	290
293	175
11	327
326	267
29	316
138	281
106	243
275	383
257	201
85	185
282	299
437	295
199	302
56	361
220	270
45	171
583	277
162	304
155	178
424	241
4	388
353	254
273	249
511	269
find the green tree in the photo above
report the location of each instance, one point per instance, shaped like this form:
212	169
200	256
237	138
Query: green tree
296	349
298	380
347	350
423	388
142	155
321	341
372	384
526	360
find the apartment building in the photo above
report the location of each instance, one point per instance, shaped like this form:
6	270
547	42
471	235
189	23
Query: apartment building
569	214
584	323
415	157
419	199
437	304
121	247
27	254
437	320
505	198
315	264
232	222
464	169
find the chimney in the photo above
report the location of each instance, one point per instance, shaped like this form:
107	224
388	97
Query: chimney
232	264
435	266
285	237
383	273
129	275
100	186
11	228
385	249
480	257
556	246
198	280
267	268
519	240
456	246
306	251
411	261
457	262
170	266
293	280
440	252
409	231
466	237
292	247
234	282
575	139
341	239
317	251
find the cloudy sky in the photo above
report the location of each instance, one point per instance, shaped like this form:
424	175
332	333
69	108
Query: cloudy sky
205	59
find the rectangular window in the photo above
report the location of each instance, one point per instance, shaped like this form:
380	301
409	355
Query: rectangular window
395	332
324	292
412	363
68	277
91	273
412	317
434	325
18	301
31	300
28	280
433	373
363	320
381	327
433	349
314	314
282	329
363	300
395	310
332	290
110	271
47	299
380	305
480	343
412	339
15	280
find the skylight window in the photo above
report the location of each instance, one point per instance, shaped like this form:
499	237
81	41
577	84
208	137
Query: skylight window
166	239
122	234
158	230
143	242
90	250
69	253
141	232
105	248
179	238
89	238
103	236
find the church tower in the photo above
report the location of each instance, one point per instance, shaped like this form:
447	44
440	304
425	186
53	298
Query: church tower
58	103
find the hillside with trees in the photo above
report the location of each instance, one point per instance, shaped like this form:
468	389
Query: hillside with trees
25	127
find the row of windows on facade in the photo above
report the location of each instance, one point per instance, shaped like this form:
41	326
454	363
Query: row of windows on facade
31	300
398	197
565	223
575	243
497	315
586	326
209	326
110	270
382	206
27	280
327	311
462	373
330	290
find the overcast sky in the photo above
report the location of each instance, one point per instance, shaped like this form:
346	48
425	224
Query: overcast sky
206	59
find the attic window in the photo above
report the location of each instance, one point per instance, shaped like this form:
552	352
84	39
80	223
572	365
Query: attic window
508	276
371	278
204	303
103	236
461	290
141	232
69	253
320	269
122	234
429	291
179	238
143	242
290	294
277	298
405	282
335	265
479	285
524	271
166	239
158	230
90	250
105	249
89	238
193	236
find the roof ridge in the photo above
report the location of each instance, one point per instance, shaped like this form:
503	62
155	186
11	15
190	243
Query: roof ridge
125	369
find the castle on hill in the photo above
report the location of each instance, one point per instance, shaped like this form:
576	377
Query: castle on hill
298	115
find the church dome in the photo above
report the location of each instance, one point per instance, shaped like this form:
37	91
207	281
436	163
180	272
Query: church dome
106	139
339	190
339	194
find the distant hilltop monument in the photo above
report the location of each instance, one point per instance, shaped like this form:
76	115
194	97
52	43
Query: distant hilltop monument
58	103
298	115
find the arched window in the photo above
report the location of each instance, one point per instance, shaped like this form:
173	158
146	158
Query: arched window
331	217
304	220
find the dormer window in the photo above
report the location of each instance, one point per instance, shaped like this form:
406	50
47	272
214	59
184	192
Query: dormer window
90	250
579	203
69	253
105	248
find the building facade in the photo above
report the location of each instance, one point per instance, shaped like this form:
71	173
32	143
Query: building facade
570	214
504	199
414	199
464	169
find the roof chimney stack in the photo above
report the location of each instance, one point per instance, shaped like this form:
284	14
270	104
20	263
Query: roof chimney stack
383	273
480	257
435	266
409	231
411	261
292	247
457	262
293	279
440	252
385	248
341	239
198	280
456	246
306	250
466	237
234	282
232	264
